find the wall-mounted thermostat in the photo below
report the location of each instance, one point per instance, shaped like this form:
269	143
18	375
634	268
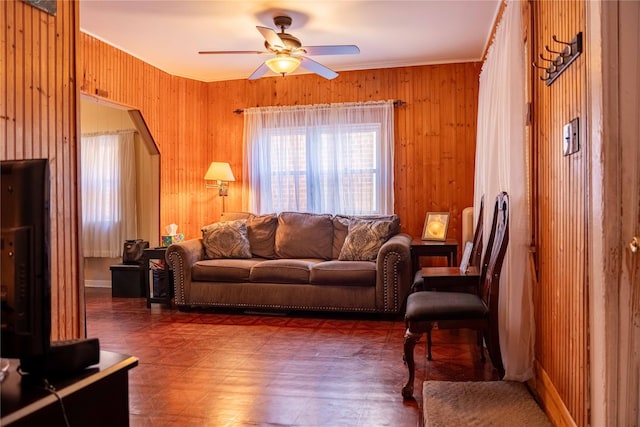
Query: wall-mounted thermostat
570	138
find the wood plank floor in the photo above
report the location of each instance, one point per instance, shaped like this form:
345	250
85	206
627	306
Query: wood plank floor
207	368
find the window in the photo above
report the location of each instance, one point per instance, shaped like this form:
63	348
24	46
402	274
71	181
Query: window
108	193
325	159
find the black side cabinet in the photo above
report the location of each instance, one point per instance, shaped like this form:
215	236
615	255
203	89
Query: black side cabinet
127	281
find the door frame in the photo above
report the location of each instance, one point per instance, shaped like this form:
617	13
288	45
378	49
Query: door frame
610	317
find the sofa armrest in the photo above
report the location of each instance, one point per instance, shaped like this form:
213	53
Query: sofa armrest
181	257
393	277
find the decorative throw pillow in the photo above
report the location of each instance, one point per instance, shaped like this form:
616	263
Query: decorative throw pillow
226	239
341	228
364	240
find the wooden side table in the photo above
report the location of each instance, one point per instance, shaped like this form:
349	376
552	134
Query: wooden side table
450	278
157	253
420	248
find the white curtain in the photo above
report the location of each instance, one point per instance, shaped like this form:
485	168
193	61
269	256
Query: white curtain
108	193
502	165
335	158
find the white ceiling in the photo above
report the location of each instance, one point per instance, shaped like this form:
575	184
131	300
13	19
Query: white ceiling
169	33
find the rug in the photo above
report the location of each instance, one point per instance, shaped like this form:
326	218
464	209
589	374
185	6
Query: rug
480	403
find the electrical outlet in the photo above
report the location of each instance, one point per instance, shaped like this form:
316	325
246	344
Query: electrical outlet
570	138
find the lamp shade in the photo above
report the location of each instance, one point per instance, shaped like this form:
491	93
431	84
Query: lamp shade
219	171
283	64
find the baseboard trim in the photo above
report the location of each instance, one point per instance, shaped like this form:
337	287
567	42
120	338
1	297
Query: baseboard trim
97	283
549	398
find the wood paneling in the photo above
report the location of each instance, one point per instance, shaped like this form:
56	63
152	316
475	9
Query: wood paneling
193	123
38	120
434	132
561	311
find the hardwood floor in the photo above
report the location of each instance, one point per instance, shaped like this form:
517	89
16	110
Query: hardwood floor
206	368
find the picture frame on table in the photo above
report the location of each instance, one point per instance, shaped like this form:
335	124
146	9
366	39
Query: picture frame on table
435	226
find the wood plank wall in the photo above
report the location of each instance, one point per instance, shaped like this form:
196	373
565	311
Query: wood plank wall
38	120
194	124
561	311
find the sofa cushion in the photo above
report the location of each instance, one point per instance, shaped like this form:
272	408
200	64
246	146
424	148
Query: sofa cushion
341	228
340	231
304	235
344	273
232	216
364	240
223	270
226	239
261	231
282	271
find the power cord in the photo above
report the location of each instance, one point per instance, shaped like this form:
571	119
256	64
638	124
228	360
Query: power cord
51	389
47	386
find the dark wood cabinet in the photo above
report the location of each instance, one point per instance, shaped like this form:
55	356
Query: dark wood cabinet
96	396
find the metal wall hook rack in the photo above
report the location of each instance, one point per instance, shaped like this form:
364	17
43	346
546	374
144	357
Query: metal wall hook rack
564	58
546	74
553	61
555	39
548	49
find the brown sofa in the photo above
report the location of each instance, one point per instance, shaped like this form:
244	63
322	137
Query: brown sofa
295	261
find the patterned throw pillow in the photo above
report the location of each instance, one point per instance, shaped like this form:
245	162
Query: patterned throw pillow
226	239
364	240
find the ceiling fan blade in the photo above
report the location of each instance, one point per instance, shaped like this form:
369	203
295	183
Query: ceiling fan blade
224	52
259	72
347	49
271	37
318	68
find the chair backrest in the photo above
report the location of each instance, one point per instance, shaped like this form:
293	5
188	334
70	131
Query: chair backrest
476	249
495	252
491	269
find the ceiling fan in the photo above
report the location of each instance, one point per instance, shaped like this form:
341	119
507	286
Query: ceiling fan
289	52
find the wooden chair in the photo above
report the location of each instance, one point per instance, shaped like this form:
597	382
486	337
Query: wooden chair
476	249
474	261
456	310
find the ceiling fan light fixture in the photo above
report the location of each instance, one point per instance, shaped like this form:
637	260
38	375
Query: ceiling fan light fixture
283	64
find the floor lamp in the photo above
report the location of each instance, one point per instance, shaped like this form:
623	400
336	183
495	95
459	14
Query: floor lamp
218	176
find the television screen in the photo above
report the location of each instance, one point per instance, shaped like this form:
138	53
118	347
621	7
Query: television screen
24	251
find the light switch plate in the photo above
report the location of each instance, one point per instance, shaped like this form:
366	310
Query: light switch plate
570	138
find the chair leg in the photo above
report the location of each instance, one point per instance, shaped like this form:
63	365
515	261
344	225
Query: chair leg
410	341
493	347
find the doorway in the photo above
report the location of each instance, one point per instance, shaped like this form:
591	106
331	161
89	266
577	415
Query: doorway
100	116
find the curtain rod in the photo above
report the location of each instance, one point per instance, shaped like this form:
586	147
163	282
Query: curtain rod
396	103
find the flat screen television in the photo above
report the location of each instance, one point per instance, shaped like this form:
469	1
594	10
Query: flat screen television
24	251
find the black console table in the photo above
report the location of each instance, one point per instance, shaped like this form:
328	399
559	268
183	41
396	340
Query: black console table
95	396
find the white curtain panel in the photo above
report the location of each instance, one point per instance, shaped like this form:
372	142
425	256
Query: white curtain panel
331	158
108	193
501	165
